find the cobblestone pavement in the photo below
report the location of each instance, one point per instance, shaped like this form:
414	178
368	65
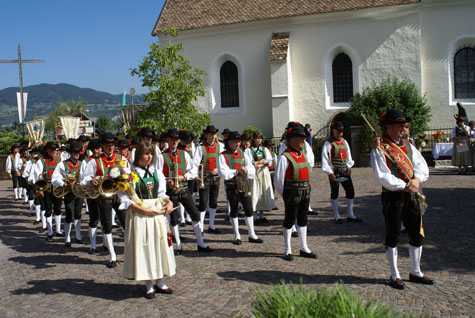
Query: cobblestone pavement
43	279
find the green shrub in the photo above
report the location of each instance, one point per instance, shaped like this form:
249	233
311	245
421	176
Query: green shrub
389	94
249	130
296	301
8	138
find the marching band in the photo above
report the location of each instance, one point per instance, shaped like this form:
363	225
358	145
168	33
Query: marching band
168	171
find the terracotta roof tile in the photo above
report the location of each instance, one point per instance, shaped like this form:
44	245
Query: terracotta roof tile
196	14
279	46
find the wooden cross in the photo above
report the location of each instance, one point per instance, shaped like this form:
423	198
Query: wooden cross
20	61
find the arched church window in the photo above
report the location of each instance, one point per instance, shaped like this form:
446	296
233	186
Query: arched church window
342	71
464	73
228	76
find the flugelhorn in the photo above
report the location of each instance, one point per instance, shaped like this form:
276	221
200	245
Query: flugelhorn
202	177
42	184
242	184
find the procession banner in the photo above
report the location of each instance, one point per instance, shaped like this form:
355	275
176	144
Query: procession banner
70	126
21	112
35	132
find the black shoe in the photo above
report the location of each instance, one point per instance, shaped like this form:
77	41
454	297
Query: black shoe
275	208
105	248
354	220
178	251
59	234
257	222
257	240
150	295
237	242
313	212
264	220
339	221
204	249
36	222
421	280
214	231
79	241
398	284
182	224
295	234
189	222
167	291
92	251
49	238
307	255
111	264
42	230
289	257
67	244
404	231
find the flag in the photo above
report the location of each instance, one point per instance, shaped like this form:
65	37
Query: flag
21	112
123	99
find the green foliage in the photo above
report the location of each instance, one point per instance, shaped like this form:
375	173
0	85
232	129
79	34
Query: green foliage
250	130
389	94
173	86
8	138
296	301
103	123
69	108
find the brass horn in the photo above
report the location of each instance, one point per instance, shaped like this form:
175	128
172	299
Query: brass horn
107	188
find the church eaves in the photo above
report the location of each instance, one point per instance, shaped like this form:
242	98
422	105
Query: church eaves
196	14
279	46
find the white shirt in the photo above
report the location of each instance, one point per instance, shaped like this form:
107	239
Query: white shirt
267	154
36	171
326	161
383	175
190	171
308	148
28	166
126	202
60	170
13	165
225	172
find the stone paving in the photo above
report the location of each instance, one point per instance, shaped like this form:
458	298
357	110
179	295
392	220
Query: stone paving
44	279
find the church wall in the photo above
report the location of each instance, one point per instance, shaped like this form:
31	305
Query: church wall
445	28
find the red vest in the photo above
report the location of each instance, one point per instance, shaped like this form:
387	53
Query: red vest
107	163
170	160
50	165
234	161
298	168
338	150
71	168
406	148
210	154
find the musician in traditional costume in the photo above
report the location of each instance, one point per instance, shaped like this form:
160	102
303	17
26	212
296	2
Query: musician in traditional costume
82	141
145	134
148	251
461	139
65	175
24	157
400	168
261	185
337	163
292	182
206	161
102	206
177	167
43	170
123	149
236	168
13	170
34	203
94	150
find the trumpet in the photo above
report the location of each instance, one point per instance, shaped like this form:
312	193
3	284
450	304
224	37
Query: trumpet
202	177
242	184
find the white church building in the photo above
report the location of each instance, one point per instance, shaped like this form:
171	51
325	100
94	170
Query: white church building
273	61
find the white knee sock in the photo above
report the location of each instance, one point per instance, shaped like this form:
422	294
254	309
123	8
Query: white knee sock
202	220
37	210
43	218
391	255
287	236
57	221
25	195
250	227
113	217
149	286
49	225
335	209
161	284
212	216
110	246
349	203
229	207
293	229
67	232
303	238
77	227
16	192
187	217
20	191
92	236
309	207
199	237
415	254
176	234
235	224
182	213
87	206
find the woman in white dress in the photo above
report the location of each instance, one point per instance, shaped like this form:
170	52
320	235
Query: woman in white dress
148	250
261	185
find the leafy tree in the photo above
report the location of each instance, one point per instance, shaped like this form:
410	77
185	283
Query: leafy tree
103	123
173	86
389	94
69	108
8	138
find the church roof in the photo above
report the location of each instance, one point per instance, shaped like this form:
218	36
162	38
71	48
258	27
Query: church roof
196	14
279	45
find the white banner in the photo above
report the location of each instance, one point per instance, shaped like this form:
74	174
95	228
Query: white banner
21	112
70	126
35	132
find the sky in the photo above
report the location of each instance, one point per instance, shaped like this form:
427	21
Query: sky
87	43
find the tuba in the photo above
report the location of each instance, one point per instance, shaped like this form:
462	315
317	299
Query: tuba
242	184
107	188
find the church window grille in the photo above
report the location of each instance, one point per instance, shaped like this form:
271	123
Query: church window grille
342	71
229	85
464	71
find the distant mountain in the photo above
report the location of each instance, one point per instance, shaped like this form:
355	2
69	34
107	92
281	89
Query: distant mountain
49	94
